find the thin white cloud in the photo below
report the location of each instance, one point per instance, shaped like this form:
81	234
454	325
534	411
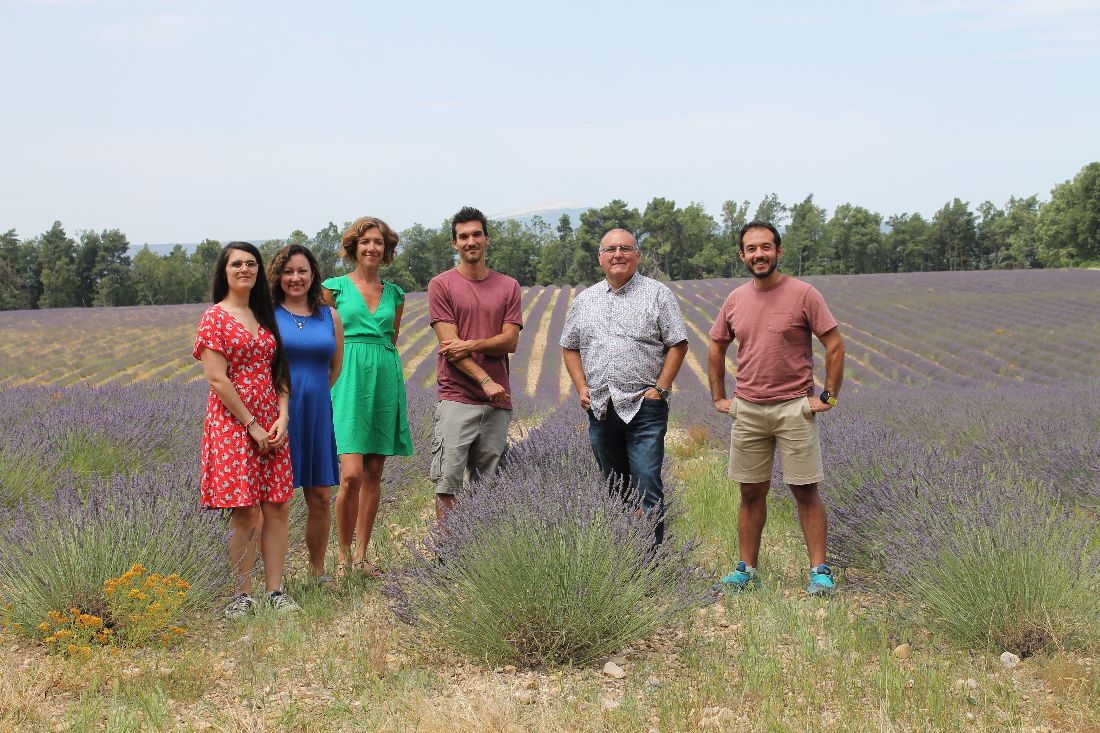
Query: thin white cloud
159	32
989	15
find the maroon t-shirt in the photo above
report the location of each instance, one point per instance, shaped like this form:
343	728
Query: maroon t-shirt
773	327
479	309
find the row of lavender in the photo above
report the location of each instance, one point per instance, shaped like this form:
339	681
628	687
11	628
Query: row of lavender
974	329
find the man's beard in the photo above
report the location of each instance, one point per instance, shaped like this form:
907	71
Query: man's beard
769	271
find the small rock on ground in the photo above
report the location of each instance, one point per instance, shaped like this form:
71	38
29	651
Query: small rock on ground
614	671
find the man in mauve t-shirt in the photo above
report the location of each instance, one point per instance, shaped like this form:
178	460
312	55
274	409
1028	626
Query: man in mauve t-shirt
773	317
475	313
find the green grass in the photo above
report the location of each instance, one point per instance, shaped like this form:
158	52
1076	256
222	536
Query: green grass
773	660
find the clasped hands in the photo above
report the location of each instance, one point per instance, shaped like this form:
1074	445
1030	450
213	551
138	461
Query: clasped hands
268	441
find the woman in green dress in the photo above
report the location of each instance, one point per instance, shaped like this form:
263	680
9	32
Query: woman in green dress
368	400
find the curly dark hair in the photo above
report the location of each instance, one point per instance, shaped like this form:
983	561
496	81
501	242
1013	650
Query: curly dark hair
275	275
468	214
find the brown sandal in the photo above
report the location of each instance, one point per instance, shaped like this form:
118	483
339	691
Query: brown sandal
368	569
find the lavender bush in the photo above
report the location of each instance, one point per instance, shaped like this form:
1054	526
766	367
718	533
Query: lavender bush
544	564
59	551
970	520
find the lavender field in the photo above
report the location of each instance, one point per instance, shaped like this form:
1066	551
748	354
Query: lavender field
964	329
963	485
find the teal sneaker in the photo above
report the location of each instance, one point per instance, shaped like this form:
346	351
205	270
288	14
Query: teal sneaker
742	578
821	581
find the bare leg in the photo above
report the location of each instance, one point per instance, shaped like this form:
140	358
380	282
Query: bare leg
369	496
811	515
751	519
273	542
317	526
443	504
243	539
347	504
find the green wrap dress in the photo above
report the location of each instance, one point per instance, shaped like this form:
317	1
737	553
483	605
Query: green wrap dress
368	400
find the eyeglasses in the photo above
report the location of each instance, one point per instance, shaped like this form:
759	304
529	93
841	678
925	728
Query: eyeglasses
247	264
622	249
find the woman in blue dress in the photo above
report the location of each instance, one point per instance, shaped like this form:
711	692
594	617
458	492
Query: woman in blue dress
313	338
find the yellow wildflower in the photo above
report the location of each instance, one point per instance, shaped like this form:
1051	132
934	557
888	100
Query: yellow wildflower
43	627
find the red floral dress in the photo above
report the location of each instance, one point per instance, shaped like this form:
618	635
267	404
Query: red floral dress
233	471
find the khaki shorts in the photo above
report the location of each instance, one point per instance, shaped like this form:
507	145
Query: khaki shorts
758	428
468	439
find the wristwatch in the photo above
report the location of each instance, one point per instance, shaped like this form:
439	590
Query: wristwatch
827	396
663	392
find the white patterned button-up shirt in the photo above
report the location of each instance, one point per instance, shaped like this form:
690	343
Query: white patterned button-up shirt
623	336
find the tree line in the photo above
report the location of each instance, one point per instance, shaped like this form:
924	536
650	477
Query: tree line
54	270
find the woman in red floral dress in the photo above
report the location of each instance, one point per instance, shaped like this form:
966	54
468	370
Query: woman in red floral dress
245	456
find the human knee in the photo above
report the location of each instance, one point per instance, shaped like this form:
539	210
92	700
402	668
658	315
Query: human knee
318	499
752	493
805	494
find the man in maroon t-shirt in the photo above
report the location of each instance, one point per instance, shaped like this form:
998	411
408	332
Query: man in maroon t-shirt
773	317
475	313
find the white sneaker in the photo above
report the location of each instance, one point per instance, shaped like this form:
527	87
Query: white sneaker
280	602
240	606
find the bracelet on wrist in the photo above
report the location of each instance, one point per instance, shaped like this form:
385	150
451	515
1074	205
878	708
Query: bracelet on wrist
250	423
485	381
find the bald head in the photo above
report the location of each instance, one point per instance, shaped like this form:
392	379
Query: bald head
618	237
619	256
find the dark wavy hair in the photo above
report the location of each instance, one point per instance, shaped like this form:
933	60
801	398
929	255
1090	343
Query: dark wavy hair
275	275
465	215
350	240
259	302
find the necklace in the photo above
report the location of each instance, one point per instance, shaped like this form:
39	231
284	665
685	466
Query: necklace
294	316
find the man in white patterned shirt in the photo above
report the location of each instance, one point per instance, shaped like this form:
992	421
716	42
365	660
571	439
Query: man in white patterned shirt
623	343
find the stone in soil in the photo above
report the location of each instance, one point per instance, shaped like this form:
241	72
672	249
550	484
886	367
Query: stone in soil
614	671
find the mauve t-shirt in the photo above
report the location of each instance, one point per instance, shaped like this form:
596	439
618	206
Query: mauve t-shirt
479	309
773	327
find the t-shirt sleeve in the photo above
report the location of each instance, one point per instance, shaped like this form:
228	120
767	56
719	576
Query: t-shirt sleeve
398	293
817	313
721	330
669	319
514	313
440	307
210	334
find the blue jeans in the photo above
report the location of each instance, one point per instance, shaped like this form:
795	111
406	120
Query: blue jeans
634	451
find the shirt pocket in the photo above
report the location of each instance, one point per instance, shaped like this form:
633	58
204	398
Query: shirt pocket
636	321
779	321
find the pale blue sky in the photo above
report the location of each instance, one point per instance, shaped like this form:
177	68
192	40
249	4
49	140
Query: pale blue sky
175	121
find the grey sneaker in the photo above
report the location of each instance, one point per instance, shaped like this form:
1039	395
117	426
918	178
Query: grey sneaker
280	602
240	606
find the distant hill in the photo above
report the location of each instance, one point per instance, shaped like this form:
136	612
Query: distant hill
550	214
188	247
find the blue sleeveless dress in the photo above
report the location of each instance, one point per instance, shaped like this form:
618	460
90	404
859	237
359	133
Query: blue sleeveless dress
309	343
